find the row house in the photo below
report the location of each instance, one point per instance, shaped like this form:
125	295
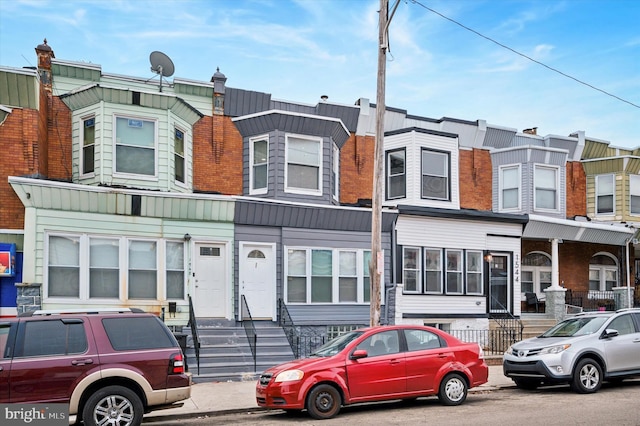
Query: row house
123	191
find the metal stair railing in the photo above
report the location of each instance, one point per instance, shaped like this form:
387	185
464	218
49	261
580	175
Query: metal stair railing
249	329
194	332
286	322
510	330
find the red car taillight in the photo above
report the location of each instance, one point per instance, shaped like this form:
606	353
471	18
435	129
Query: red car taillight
176	364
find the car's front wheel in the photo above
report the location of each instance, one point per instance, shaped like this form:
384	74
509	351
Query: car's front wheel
587	376
113	406
453	390
323	402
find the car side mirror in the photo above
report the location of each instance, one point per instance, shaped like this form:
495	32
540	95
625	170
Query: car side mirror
609	333
359	353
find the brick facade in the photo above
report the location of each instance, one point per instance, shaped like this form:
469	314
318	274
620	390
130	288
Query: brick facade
576	190
475	179
356	169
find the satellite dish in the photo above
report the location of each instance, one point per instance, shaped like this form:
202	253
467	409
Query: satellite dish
161	64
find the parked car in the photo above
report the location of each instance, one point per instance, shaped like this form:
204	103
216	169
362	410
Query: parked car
583	351
375	364
110	367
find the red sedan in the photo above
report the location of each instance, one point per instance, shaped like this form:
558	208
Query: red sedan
375	364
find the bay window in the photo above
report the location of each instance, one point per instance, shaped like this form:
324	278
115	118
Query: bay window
135	146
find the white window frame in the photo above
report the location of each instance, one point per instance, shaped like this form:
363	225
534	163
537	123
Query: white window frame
417	270
84	246
83	121
556	188
605	194
536	272
467	272
253	165
602	272
504	186
459	271
634	192
439	271
335	282
183	155
130	175
288	186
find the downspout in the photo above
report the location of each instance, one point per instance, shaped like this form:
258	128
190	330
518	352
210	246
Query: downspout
627	249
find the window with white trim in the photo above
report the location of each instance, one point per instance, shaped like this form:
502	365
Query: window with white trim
536	273
88	145
304	165
454	283
396	174
603	273
259	157
435	175
605	194
546	188
180	164
634	194
135	146
316	275
88	267
510	187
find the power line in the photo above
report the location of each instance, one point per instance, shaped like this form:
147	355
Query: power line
525	56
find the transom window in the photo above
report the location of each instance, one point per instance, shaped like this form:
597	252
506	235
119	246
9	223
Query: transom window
327	275
304	160
546	188
510	187
259	165
605	194
396	174
435	175
603	273
135	145
536	273
88	145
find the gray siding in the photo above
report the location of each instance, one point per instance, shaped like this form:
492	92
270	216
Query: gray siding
240	102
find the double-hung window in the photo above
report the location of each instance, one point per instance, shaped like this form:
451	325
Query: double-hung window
454	271
327	275
546	188
474	272
104	268
304	165
510	187
411	276
396	174
335	173
142	269
433	271
88	145
259	157
64	266
604	194
435	175
634	193
135	145
175	269
178	155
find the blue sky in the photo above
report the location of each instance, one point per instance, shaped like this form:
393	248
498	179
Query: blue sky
299	50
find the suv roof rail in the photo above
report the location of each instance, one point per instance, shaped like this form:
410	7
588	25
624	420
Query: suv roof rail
84	311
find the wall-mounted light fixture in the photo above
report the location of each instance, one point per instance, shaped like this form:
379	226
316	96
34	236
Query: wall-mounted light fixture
488	258
187	237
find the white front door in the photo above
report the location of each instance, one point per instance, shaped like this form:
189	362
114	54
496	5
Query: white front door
210	281
258	279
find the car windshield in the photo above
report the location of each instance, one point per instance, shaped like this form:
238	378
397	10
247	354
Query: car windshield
334	346
576	327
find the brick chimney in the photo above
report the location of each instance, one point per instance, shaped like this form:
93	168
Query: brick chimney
45	53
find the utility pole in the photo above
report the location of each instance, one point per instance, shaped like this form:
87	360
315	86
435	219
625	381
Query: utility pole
376	266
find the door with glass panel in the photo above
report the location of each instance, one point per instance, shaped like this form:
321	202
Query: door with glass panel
499	283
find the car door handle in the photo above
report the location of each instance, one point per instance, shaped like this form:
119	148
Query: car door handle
82	361
636	341
394	361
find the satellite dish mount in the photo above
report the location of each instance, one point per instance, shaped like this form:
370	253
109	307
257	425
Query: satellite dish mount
161	64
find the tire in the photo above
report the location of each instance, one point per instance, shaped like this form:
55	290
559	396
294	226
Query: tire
528	384
587	376
324	402
453	390
113	406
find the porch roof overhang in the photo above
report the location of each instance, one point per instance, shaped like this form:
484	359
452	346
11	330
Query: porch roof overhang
466	214
543	227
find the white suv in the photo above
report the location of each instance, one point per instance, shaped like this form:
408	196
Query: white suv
583	350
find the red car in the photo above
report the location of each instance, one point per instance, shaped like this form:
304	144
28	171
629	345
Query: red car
375	364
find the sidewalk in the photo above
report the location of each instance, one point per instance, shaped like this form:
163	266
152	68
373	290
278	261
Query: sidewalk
227	397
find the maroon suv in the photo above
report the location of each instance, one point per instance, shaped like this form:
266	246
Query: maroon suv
110	367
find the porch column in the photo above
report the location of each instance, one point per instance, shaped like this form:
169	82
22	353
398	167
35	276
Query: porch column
555	274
